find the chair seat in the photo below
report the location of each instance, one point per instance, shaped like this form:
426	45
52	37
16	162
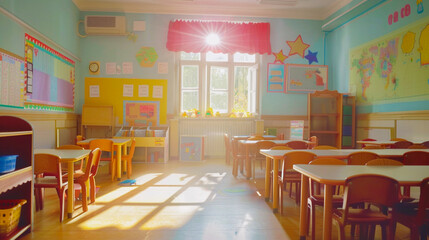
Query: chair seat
337	200
47	182
367	216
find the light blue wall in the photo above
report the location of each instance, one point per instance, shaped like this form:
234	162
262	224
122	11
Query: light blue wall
369	26
119	49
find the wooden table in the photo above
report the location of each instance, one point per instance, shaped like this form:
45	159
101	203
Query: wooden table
336	175
249	143
70	157
385	143
118	144
277	155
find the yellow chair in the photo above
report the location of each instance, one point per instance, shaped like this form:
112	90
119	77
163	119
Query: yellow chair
324	147
129	157
105	145
316	198
360	158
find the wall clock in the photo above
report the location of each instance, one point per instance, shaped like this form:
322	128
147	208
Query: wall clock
94	68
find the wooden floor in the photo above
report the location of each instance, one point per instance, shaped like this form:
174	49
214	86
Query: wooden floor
178	200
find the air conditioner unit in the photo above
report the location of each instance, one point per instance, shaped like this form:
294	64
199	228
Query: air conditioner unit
105	25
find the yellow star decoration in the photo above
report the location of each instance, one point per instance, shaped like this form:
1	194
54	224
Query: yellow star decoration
297	46
280	56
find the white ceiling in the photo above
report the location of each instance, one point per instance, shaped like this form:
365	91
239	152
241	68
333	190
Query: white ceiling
300	9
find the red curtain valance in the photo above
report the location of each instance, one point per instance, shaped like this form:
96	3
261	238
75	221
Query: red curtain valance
190	36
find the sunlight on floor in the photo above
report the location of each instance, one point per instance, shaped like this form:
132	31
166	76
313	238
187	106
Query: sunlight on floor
114	194
146	178
153	195
193	195
175	179
166	219
211	178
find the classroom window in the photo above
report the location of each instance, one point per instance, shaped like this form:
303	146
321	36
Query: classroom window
223	82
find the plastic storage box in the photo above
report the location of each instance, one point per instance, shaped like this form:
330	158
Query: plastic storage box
7	163
10	213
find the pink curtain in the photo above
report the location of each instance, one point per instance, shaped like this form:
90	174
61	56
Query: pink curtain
190	36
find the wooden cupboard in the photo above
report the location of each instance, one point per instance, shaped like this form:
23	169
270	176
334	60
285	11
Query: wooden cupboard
16	138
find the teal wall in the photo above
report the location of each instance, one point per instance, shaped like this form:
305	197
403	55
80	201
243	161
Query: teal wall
119	49
368	26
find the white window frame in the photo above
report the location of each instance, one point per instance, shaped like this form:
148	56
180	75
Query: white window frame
204	81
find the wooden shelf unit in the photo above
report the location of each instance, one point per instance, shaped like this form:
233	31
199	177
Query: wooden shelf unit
325	117
348	138
16	138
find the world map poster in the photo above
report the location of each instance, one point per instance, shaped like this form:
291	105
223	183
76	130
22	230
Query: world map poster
394	68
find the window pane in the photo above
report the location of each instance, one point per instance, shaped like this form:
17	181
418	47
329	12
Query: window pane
189	100
241	88
216	57
244	57
219	101
190	56
219	78
189	76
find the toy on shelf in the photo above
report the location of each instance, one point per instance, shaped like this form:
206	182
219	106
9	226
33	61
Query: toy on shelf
209	112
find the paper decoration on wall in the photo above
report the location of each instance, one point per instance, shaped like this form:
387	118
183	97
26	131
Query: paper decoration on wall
311	57
157	92
146	56
127	68
128	90
94	91
12	79
297	46
420	8
53	77
276	76
408	42
306	78
390	69
143	90
110	68
163	68
280	57
141	113
296	130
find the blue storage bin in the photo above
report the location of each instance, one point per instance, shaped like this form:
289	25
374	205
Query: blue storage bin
7	163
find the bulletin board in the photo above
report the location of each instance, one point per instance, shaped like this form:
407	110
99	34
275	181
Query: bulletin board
135	101
12	85
306	78
50	77
276	77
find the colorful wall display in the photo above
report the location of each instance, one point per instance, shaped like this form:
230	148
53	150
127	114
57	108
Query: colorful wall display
191	148
276	77
12	85
393	68
141	113
306	78
146	56
50	77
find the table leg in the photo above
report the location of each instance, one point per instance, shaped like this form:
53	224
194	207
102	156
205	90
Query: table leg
275	185
248	163
327	213
303	208
118	163
267	178
70	190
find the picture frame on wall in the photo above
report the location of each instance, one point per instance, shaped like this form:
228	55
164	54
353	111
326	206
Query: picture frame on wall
301	78
276	77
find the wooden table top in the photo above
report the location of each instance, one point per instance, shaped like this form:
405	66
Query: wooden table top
65	154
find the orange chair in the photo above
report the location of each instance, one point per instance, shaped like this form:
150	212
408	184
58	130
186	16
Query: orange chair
82	177
401	144
105	145
129	157
383	161
288	175
368	189
324	147
316	198
297	144
228	149
92	174
281	148
360	158
47	171
414	215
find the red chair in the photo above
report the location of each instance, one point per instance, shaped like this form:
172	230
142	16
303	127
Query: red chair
402	144
297	145
360	158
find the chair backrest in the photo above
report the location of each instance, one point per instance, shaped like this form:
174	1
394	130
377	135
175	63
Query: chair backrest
297	145
296	157
132	148
102	144
370	188
401	144
79	138
417	146
96	156
416	158
383	162
360	158
423	201
426	144
48	164
95	153
322	147
322	161
266	144
367	139
373	147
71	147
281	148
